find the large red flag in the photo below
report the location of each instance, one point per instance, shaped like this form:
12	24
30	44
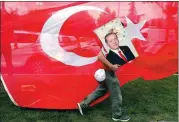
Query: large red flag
50	59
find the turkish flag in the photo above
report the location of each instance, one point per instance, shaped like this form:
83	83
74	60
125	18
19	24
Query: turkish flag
52	57
159	62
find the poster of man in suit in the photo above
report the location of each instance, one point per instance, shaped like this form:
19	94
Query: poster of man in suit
113	36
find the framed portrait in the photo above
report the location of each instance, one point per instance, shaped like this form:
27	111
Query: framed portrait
114	26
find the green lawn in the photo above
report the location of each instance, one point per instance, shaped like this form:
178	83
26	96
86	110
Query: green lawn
144	101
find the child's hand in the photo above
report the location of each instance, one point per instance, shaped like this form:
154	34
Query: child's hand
114	67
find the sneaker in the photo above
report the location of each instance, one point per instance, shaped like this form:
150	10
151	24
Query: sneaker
121	118
82	108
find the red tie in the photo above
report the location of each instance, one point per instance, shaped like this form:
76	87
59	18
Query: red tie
122	56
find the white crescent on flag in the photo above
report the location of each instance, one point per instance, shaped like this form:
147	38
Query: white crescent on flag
49	37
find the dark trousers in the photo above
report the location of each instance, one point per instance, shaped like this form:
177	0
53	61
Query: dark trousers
111	83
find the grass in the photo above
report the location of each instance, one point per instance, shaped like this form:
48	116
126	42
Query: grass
144	101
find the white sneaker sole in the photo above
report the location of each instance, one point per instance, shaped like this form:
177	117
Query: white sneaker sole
80	109
120	120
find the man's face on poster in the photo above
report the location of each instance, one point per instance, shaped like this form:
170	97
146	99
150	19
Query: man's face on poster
112	41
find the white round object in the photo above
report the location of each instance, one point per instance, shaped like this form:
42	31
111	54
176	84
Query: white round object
100	75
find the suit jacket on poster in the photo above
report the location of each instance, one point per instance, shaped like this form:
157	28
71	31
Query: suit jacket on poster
115	59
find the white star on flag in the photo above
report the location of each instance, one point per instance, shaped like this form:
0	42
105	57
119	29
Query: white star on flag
133	31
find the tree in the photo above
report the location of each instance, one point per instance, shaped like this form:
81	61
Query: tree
10	16
105	18
133	13
170	9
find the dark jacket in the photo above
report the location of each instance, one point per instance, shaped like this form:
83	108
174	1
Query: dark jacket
113	58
